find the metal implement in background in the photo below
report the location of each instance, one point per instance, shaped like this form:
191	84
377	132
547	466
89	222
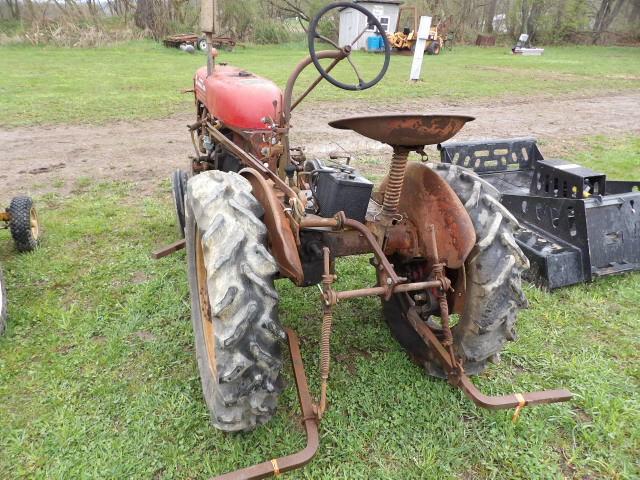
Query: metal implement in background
21	219
175	41
576	224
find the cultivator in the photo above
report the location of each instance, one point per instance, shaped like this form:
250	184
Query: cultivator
576	224
256	209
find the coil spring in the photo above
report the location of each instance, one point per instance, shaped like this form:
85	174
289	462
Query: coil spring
325	344
444	316
396	179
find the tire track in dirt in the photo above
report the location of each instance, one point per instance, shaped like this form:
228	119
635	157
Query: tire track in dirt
38	160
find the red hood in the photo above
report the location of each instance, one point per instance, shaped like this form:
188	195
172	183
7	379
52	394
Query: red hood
238	98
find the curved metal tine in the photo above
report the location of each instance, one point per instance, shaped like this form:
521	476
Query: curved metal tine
328	40
355	69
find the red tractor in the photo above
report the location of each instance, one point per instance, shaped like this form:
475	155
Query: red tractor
254	210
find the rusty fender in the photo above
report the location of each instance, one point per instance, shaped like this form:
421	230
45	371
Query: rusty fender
281	239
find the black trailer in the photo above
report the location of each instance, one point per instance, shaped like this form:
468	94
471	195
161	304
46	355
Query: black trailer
576	224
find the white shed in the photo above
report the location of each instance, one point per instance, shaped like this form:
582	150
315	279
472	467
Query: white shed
353	22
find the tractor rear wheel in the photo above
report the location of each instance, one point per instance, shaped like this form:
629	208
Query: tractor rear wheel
24	225
493	287
3	304
233	301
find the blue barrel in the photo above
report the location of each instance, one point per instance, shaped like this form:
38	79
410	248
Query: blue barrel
373	43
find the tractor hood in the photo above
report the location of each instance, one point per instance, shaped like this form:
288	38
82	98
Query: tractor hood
238	98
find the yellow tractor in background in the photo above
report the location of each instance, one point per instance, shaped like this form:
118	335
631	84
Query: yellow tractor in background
405	39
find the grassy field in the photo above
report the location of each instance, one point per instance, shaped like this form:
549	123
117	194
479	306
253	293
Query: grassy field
98	377
43	85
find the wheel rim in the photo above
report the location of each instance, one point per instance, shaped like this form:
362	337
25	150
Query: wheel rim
33	222
205	308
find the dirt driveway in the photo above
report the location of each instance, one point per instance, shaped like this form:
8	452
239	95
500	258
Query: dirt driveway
52	159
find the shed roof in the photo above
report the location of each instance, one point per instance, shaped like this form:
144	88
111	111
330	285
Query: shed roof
392	2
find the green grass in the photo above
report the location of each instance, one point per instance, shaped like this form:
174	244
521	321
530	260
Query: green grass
98	377
138	80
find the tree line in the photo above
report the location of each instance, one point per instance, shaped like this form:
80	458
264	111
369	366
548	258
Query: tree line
276	21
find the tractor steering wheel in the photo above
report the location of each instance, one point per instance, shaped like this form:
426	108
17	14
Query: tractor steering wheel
372	21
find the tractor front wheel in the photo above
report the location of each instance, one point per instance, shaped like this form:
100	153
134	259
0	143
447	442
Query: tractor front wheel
234	303
23	224
492	277
178	189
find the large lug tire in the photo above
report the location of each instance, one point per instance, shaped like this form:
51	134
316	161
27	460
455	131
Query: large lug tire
233	301
3	305
493	281
178	189
24	225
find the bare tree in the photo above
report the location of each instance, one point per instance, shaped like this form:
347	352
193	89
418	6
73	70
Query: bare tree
607	12
14	9
490	12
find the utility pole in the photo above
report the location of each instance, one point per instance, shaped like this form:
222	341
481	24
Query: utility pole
208	24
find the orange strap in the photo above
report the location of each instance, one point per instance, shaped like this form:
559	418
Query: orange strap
521	403
276	469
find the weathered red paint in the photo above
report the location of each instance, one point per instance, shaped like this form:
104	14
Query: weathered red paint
238	98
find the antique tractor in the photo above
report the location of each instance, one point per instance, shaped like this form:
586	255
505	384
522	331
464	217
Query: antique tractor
255	209
22	221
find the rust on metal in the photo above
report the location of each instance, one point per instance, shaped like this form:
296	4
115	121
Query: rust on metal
205	307
405	130
340	221
395	182
309	419
250	161
337	56
169	249
383	291
5	216
401	238
281	238
428	200
325	337
457	377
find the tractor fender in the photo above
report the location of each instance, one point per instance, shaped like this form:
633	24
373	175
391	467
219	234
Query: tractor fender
427	200
281	239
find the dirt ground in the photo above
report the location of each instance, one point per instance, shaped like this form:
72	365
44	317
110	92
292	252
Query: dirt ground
54	158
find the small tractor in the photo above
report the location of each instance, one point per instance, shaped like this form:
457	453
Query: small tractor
254	209
405	39
22	220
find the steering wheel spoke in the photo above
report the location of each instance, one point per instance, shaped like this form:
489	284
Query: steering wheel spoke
371	21
328	40
355	69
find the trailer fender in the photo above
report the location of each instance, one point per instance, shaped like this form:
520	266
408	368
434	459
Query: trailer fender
281	239
427	200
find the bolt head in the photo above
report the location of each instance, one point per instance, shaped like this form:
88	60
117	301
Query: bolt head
389	281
